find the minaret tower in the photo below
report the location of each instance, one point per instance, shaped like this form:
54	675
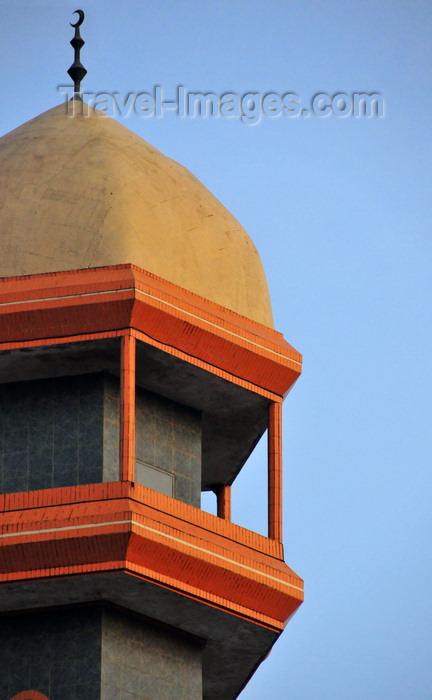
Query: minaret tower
138	367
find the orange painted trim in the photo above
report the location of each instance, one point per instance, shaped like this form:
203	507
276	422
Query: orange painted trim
20	287
112	298
142	337
120	546
257	364
201	574
222	585
67	318
236	610
135	530
54	340
42	287
127	407
93	499
275	472
197	362
223	495
140	573
48	552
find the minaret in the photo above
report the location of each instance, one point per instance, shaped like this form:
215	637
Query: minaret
138	367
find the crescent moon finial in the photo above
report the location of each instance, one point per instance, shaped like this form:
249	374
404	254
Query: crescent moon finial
77	70
80	20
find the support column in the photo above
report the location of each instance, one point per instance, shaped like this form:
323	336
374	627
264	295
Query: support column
223	495
127	407
275	472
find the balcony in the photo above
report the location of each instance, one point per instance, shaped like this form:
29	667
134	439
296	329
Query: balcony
148	383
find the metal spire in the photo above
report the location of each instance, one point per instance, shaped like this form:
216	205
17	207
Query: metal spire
77	70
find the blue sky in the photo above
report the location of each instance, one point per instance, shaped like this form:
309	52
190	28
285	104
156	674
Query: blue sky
340	210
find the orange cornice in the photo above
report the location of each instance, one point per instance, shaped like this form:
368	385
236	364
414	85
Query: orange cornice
122	527
100	300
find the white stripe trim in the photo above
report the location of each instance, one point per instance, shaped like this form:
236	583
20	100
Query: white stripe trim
161	301
215	325
66	296
63	529
218	556
157	532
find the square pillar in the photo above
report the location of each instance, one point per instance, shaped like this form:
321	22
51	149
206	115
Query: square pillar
275	472
127	407
223	495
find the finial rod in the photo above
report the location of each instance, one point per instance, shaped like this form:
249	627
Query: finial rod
77	70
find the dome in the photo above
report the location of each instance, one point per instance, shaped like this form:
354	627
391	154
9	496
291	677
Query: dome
83	191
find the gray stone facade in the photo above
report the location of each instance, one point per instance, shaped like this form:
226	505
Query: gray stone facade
96	654
65	432
143	662
51	433
56	653
168	439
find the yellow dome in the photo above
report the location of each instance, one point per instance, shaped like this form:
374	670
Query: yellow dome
83	191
